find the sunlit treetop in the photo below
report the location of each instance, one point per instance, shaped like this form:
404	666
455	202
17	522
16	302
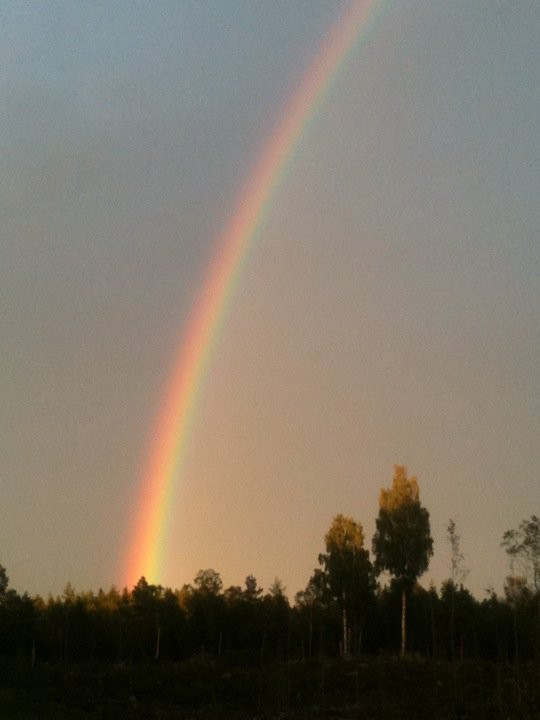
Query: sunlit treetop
404	490
344	533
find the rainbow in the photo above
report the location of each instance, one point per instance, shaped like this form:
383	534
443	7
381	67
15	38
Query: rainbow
175	422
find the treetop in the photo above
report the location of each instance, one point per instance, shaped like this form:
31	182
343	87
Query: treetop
404	490
344	533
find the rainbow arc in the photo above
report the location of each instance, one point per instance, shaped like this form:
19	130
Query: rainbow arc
175	421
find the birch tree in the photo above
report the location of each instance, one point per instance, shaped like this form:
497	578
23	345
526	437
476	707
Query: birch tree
402	543
349	575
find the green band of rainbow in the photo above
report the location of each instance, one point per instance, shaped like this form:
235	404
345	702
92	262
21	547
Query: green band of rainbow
172	433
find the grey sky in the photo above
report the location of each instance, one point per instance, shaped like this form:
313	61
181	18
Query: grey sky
388	314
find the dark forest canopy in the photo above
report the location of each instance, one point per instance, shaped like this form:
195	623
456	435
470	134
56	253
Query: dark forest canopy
344	610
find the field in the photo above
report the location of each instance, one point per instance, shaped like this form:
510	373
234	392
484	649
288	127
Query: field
331	690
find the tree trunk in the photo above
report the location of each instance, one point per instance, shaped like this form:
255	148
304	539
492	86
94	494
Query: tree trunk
537	647
452	618
120	641
345	634
158	641
310	637
403	622
516	655
433	638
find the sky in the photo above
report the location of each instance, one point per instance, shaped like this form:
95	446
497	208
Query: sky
388	312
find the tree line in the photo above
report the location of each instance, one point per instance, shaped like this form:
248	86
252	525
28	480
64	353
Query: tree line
345	609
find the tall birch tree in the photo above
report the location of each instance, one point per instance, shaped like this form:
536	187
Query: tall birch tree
349	575
402	543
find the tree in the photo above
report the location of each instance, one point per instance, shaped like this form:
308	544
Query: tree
523	548
208	582
206	608
349	574
402	543
313	605
276	612
146	605
252	591
458	575
458	571
4	582
523	545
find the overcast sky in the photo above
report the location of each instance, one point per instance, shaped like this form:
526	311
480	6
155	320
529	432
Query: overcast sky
389	312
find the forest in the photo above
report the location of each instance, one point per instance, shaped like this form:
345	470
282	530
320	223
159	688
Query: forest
363	639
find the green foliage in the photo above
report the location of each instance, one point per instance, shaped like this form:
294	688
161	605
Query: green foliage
402	543
523	546
209	582
245	626
252	591
348	577
348	570
339	612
